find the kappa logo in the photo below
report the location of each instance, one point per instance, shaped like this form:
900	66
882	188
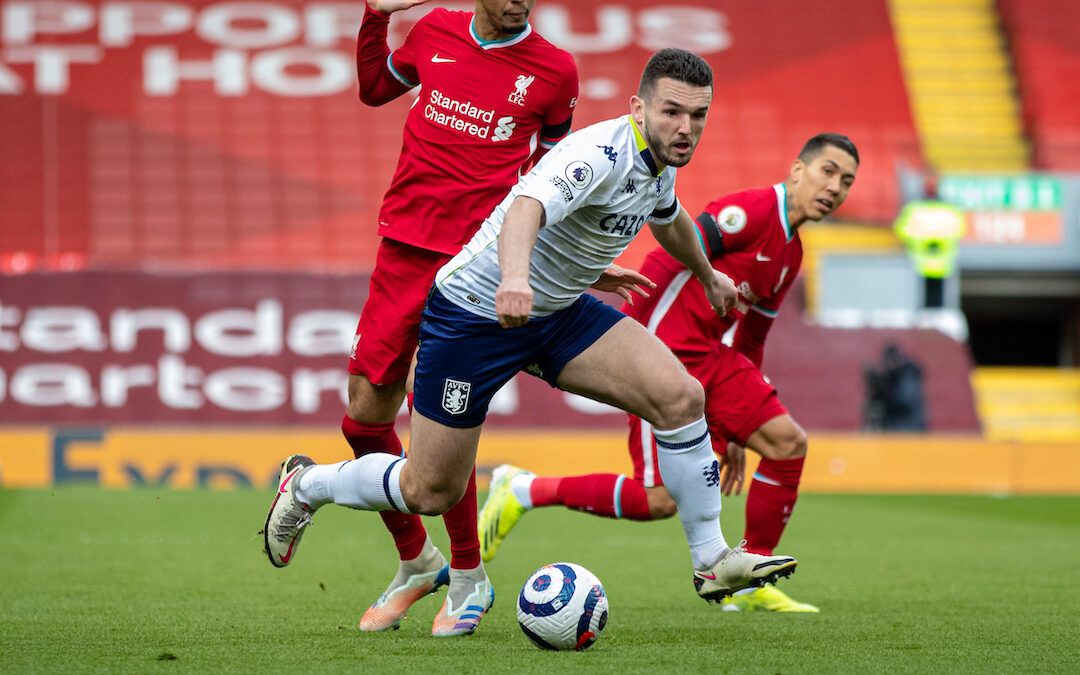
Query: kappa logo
455	399
712	474
522	83
659	184
631	188
579	174
610	153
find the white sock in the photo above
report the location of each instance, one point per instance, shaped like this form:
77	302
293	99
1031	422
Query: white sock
427	554
477	573
691	473
462	585
429	560
370	483
521	486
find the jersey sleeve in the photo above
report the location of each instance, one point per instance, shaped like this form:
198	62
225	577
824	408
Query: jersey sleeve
727	224
379	81
576	173
558	116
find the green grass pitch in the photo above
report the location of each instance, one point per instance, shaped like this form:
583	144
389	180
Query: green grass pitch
157	581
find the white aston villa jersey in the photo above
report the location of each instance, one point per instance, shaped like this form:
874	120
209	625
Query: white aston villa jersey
598	187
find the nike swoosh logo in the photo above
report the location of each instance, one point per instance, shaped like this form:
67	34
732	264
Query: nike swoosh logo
288	554
441	59
282	487
763	258
710	577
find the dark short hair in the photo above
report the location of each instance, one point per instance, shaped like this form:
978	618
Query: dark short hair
815	145
677	64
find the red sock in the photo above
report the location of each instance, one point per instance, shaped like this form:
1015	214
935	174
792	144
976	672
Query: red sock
365	438
605	494
769	505
406	528
460	523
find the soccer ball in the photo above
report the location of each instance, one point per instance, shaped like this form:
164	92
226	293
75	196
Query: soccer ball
562	606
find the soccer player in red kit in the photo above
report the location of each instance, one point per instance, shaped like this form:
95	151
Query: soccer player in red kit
752	236
493	97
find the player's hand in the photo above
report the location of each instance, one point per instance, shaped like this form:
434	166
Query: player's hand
624	282
389	6
513	302
721	293
732	469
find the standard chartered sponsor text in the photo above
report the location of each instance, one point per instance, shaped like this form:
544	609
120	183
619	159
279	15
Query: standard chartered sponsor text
457	115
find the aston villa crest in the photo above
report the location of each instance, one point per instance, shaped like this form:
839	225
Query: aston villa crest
455	397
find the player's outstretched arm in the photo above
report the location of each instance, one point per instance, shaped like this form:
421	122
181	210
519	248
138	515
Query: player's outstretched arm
681	241
390	6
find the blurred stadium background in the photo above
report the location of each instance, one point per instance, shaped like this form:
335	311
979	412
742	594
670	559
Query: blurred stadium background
188	202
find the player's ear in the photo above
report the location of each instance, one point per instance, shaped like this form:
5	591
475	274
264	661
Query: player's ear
797	168
637	109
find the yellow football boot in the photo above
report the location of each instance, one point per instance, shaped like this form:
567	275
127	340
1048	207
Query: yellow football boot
766	599
500	513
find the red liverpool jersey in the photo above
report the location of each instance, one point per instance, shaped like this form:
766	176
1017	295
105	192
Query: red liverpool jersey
483	111
748	238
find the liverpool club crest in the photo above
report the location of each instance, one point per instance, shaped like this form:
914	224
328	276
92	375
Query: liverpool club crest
521	88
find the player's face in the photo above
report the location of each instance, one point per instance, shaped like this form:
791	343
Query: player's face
672	120
822	185
499	19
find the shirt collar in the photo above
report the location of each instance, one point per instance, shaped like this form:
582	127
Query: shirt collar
781	207
505	42
643	149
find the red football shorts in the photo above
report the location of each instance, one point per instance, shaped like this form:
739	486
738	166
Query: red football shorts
738	400
390	321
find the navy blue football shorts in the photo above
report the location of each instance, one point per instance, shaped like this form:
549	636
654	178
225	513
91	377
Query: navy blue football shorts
464	358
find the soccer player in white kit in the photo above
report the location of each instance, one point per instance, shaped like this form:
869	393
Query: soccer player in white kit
513	299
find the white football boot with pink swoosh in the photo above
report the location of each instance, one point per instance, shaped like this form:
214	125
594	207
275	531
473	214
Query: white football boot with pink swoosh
737	569
288	517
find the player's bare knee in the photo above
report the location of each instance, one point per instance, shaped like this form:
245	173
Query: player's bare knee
363	413
683	404
793	445
355	383
355	411
661	505
357	396
373	404
434	499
